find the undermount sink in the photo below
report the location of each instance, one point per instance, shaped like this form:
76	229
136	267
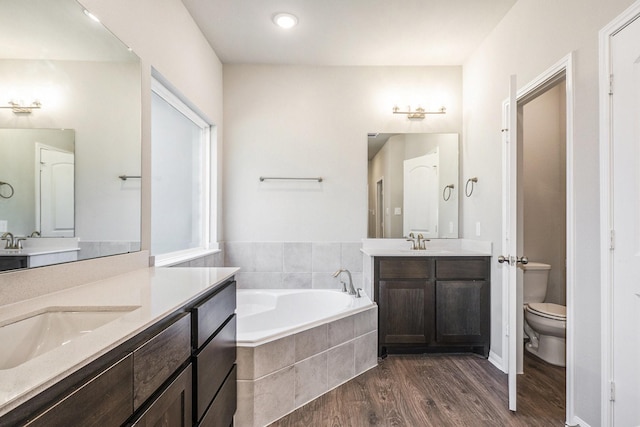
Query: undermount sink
28	338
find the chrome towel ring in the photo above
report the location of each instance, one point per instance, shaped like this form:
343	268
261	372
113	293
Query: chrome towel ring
3	191
471	181
446	195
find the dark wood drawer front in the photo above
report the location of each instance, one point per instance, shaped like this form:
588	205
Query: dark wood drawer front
104	401
467	269
156	360
221	412
405	268
212	365
212	313
172	407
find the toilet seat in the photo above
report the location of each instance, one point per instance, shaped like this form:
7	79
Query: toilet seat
548	310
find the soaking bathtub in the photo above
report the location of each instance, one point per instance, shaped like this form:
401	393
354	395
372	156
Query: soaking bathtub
295	345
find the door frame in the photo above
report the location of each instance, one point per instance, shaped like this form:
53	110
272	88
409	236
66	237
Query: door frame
528	91
606	206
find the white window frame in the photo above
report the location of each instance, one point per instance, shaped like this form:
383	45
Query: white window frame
210	245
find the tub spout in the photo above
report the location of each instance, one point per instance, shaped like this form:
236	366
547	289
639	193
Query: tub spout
350	290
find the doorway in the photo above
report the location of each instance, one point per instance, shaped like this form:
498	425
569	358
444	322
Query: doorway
514	218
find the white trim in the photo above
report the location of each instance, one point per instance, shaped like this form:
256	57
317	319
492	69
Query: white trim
179	257
577	421
208	158
606	204
497	361
564	65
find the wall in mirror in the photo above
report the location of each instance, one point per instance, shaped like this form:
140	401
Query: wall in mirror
87	85
413	185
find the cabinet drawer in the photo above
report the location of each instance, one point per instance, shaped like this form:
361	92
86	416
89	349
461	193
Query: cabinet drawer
102	402
172	407
462	269
209	315
212	365
221	412
401	268
157	359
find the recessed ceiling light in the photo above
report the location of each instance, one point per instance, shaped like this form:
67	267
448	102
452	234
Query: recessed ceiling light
285	20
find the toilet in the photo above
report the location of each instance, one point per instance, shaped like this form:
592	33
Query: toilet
544	323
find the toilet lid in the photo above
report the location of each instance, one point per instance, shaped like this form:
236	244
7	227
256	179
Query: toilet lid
549	310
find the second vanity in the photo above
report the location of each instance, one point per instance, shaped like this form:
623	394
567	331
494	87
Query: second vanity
153	346
433	300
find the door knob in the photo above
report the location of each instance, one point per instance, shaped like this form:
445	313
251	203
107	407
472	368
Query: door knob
522	260
502	259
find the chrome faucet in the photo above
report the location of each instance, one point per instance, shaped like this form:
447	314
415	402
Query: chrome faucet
417	243
12	242
35	234
350	290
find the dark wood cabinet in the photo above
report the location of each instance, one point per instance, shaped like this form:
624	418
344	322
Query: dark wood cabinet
178	372
172	408
109	395
432	304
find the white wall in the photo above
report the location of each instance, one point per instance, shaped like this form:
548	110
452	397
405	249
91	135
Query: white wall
313	121
166	38
164	35
533	36
543	176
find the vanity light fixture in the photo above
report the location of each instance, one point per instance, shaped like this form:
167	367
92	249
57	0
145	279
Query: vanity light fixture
18	108
285	20
419	112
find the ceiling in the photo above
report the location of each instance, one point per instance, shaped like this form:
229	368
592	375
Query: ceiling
55	30
348	32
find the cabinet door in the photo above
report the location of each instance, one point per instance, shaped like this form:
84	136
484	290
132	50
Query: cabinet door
173	407
405	312
462	312
104	401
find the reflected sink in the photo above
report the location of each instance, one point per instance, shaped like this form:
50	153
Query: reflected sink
28	338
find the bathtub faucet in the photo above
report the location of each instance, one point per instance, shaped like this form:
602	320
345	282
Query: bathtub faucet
350	290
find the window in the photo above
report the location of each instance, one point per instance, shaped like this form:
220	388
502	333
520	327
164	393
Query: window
180	185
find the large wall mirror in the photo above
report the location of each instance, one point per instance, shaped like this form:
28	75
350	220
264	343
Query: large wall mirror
413	185
70	136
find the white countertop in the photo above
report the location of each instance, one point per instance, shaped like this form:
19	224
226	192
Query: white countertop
35	251
434	247
422	252
156	291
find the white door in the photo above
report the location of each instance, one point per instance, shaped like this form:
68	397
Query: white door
56	193
421	192
509	238
625	53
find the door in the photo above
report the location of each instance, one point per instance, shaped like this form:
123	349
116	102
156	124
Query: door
625	104
379	213
421	195
509	237
56	193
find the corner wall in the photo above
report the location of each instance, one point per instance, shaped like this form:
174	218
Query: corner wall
533	36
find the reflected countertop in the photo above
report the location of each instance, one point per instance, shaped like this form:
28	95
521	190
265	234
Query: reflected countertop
157	292
36	251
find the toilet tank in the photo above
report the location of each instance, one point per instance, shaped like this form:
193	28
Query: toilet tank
536	276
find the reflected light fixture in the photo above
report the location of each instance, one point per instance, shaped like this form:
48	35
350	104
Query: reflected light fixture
91	15
419	113
285	20
18	108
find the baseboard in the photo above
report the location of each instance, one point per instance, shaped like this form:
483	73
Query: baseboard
577	421
497	361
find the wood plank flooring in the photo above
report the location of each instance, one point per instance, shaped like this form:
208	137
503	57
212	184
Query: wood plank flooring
438	391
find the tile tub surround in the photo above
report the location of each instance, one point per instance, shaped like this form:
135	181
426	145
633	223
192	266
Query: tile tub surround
293	265
157	292
279	376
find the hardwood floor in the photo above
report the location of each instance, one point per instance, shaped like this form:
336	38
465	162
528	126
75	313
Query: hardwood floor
438	391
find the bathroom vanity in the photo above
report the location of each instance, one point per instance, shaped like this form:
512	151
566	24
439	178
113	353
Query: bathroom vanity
431	301
167	357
